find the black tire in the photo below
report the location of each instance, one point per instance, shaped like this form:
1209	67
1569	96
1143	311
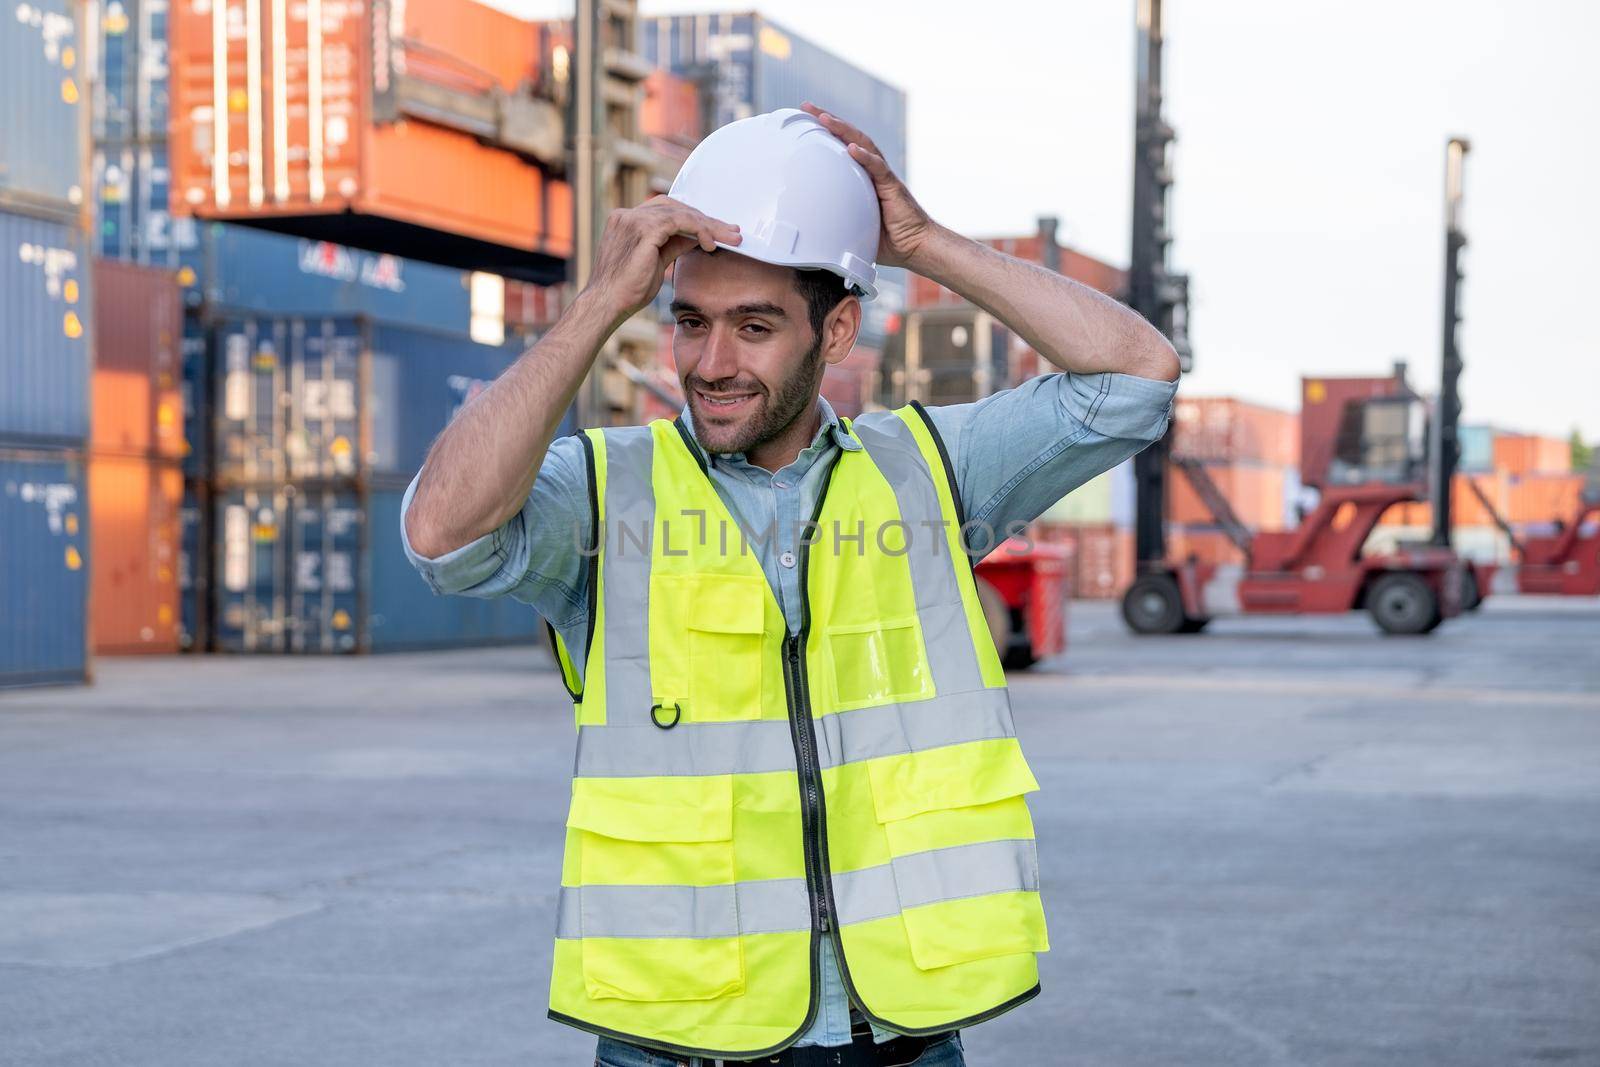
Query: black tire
1471	595
1403	603
1152	605
1019	656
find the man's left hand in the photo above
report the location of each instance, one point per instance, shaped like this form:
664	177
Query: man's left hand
905	225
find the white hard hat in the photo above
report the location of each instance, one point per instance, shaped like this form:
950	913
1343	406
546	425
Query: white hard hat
790	186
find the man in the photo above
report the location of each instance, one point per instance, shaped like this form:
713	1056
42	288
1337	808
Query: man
798	832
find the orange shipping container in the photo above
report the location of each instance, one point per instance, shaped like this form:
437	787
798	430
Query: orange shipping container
1531	454
133	575
138	372
1255	491
1543	498
1228	430
1465	507
365	124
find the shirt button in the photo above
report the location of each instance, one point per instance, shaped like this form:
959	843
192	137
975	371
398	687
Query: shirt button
787	559
777	484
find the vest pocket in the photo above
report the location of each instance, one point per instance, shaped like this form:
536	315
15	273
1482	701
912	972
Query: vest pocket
658	916
726	634
878	662
961	848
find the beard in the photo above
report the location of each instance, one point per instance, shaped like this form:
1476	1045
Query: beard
776	410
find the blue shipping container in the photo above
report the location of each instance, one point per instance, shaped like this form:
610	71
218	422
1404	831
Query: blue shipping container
134	221
131	92
44	547
41	106
254	270
194	572
323	571
44	332
331	398
1477	449
403	613
197	390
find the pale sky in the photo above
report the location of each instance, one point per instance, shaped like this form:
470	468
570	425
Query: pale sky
1309	198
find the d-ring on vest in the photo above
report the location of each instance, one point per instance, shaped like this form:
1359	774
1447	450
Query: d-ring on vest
859	781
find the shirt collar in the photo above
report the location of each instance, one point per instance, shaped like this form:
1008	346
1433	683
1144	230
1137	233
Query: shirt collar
831	427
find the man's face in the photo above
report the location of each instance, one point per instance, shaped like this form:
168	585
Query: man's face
746	356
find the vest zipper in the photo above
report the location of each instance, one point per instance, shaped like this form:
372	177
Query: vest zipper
810	779
813	817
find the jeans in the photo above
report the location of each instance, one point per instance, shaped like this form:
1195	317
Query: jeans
609	1053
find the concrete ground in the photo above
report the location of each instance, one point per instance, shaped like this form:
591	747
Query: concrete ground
1282	842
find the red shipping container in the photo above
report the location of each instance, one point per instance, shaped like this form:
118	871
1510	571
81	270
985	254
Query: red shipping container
533	308
138	370
134	507
311	118
1103	556
1520	454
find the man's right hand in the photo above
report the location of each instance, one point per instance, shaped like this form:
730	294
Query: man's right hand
640	243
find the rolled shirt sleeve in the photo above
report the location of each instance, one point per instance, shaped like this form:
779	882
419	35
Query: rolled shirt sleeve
1118	405
1017	452
534	555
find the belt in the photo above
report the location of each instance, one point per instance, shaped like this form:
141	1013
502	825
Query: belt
860	1053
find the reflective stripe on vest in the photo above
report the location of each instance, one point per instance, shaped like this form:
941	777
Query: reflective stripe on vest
693	899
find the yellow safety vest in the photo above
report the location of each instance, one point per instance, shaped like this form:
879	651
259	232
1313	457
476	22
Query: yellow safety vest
740	793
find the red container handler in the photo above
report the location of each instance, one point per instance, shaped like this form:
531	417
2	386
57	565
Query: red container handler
1024	587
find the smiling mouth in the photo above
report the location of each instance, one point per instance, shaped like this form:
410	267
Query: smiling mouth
728	402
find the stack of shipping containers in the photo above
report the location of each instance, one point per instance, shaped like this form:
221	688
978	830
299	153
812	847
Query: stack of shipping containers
1528	478
745	64
313	377
47	319
1252	453
952	352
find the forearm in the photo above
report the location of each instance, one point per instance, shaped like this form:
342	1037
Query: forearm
482	467
1073	326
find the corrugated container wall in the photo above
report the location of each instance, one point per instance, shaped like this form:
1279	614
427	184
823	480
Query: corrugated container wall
328	398
132	184
131	102
42	108
751	64
323	570
1226	430
44	332
1518	454
331	143
138	367
256	271
43	568
134	517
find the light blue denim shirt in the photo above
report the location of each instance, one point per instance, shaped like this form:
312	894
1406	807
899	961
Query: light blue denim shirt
1014	454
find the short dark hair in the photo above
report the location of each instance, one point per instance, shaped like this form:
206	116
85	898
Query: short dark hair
823	290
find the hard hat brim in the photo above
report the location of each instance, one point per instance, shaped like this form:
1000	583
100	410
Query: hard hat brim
865	290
